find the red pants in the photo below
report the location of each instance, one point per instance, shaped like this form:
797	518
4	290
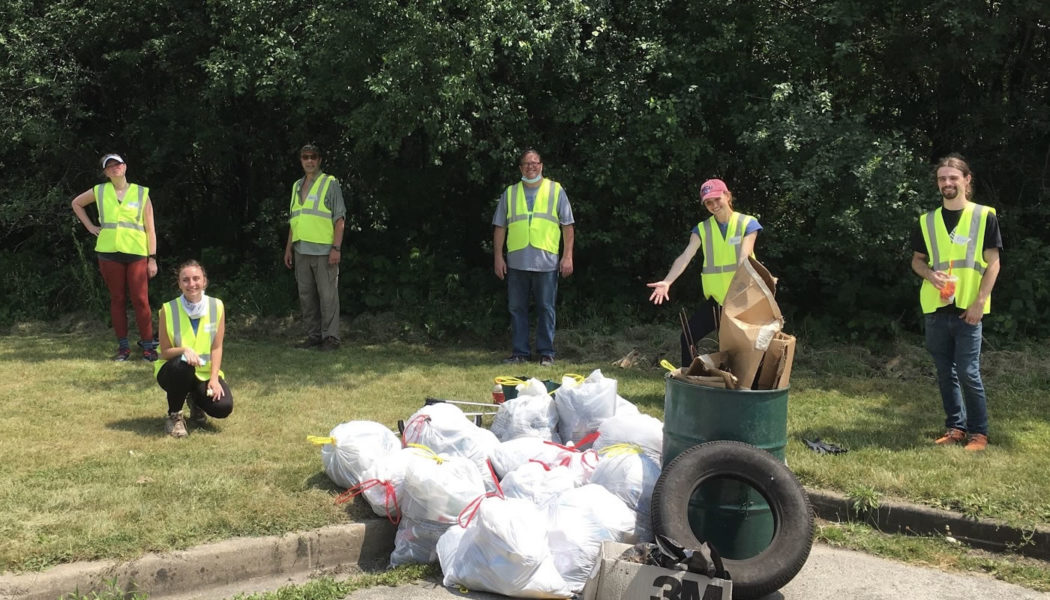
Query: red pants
133	278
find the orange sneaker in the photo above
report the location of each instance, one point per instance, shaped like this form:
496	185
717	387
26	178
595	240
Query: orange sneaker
952	436
978	442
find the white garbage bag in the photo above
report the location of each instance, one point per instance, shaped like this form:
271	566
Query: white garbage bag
382	484
630	473
503	550
531	414
536	482
579	520
444	428
511	454
583	406
352	447
632	428
435	491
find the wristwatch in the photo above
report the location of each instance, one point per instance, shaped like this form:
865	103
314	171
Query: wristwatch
337	248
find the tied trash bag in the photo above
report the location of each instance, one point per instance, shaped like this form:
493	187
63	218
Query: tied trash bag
503	550
636	428
511	454
579	520
582	406
383	483
530	414
352	447
536	482
580	462
443	428
435	491
630	473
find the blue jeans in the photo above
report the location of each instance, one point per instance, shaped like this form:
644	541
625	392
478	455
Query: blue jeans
542	287
956	349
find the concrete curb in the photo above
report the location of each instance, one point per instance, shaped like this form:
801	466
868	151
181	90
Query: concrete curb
328	549
339	548
897	517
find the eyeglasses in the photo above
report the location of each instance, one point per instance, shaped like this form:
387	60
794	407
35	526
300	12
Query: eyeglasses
309	157
531	164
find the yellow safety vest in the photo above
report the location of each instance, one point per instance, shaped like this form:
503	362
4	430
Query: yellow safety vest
721	254
540	227
310	219
963	252
180	332
123	228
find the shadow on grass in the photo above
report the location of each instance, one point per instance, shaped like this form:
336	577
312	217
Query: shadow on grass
144	426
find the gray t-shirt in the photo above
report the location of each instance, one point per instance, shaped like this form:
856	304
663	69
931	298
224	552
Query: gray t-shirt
530	258
333	201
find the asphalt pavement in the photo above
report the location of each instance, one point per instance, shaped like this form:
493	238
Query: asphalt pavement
829	574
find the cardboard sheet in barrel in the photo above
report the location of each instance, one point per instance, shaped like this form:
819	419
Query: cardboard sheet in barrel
617	579
750	330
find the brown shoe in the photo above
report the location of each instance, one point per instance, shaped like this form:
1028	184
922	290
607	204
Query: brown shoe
310	342
197	414
978	442
952	436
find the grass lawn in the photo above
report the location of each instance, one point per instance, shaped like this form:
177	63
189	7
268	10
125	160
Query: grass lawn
87	472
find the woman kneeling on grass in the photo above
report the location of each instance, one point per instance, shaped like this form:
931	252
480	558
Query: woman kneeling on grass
190	362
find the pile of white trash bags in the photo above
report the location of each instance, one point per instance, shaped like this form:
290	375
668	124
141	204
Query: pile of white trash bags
520	510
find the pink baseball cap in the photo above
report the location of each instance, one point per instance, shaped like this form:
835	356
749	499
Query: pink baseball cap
712	188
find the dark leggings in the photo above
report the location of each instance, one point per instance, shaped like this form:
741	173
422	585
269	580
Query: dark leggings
123	280
178	379
700	324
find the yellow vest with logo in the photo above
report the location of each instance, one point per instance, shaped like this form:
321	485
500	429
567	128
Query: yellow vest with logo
123	228
539	228
721	254
310	219
963	252
180	331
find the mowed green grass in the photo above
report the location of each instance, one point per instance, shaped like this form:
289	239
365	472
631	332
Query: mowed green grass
86	471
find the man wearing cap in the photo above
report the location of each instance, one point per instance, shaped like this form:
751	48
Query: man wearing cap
126	248
317	217
533	218
727	238
956	252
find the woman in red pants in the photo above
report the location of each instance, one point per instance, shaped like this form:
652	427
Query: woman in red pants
126	249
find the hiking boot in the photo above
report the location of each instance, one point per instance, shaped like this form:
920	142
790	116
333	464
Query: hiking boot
978	442
310	342
952	436
175	425
149	355
547	361
197	414
329	343
122	355
516	359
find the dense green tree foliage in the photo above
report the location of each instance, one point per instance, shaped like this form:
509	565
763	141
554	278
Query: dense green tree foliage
823	116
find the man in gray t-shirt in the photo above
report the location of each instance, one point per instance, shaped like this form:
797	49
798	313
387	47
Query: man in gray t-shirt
317	219
533	218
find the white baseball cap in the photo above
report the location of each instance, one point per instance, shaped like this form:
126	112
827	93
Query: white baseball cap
109	157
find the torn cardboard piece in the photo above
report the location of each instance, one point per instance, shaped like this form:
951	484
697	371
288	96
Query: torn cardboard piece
709	370
775	372
751	321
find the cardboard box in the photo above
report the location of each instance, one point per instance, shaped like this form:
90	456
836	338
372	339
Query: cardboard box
615	579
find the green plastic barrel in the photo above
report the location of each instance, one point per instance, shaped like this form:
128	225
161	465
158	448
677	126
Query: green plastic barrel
729	514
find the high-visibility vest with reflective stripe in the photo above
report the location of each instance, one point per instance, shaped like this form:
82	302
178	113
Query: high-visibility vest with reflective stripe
540	227
310	219
963	252
180	332
721	254
123	228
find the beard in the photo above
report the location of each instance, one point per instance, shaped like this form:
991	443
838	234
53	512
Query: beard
950	193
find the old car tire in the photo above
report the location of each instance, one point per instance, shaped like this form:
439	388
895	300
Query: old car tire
776	565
